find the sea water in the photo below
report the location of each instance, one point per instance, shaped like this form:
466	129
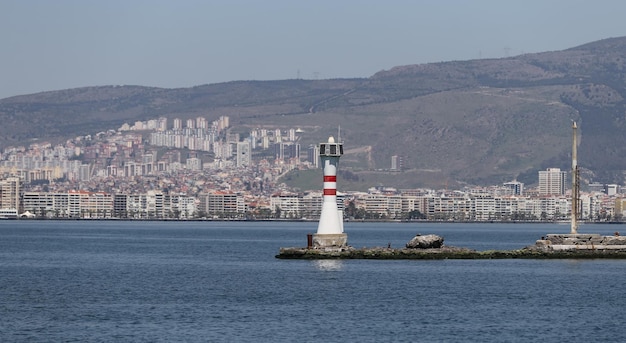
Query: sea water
121	281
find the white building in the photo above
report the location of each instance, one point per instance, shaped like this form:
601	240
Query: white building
552	181
244	156
10	189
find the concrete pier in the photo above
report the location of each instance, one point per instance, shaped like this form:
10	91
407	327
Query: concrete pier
593	242
339	240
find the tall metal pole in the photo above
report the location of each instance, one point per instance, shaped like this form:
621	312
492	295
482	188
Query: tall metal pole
575	182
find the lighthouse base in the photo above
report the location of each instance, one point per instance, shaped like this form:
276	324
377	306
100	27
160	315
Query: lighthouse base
321	241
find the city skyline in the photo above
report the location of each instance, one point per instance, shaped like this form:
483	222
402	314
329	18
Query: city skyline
138	184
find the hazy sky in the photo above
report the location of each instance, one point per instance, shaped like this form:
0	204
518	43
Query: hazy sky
58	44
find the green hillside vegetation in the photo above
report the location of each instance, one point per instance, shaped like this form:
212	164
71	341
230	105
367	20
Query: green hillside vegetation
311	180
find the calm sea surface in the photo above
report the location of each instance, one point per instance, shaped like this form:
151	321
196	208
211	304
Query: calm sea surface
118	281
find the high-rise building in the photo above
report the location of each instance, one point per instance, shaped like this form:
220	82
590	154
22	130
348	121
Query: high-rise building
202	123
243	154
552	181
254	134
84	173
224	122
191	123
178	124
313	155
265	142
620	207
10	193
397	164
162	124
287	151
292	135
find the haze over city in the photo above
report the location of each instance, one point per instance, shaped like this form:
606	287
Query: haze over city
65	44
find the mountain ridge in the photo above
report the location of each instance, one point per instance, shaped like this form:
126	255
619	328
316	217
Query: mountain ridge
477	121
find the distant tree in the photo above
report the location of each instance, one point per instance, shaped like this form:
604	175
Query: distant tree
351	210
415	214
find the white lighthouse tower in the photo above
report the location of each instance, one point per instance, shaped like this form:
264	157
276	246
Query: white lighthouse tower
330	229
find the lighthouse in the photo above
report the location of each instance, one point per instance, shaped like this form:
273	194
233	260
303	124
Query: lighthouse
330	228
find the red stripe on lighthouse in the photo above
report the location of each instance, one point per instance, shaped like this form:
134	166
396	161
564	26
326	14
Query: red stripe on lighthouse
330	178
330	192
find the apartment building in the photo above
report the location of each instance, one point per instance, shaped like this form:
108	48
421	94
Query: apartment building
10	189
219	202
552	181
83	204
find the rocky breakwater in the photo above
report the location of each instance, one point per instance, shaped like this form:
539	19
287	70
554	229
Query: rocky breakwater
431	247
422	247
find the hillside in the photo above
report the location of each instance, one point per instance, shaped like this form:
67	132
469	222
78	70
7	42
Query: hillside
478	121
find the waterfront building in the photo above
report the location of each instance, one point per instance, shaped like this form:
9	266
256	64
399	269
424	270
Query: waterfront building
155	205
484	208
311	205
219	202
620	207
83	204
10	189
286	204
90	204
72	204
453	205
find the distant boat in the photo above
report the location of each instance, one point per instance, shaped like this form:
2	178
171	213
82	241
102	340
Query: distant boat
8	213
27	214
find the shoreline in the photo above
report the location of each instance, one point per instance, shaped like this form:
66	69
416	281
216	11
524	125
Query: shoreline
315	221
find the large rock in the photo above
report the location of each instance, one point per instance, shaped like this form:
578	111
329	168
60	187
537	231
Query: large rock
425	242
